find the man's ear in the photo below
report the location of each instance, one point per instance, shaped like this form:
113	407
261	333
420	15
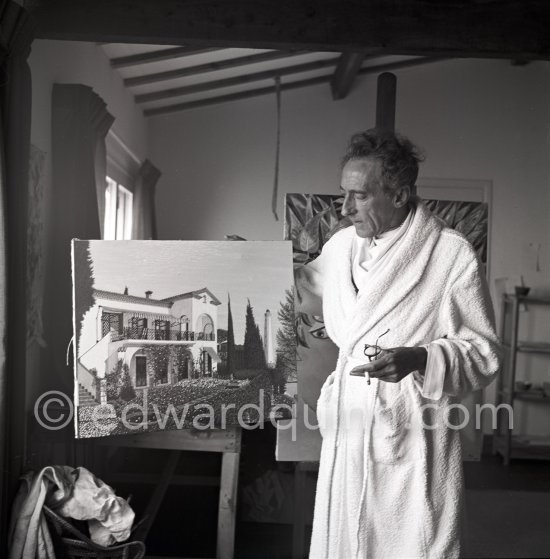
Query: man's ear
402	196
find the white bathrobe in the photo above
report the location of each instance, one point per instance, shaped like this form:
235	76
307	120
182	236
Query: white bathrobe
387	486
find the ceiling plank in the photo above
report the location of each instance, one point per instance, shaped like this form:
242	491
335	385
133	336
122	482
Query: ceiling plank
157	56
234	96
237	80
345	74
464	28
284	87
210	67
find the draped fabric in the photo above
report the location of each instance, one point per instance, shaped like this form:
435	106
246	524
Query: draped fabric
144	219
15	110
80	122
35	255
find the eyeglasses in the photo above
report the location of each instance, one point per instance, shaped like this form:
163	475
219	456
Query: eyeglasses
373	351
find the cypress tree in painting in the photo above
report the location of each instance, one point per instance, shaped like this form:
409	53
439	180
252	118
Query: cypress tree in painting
230	341
83	282
254	357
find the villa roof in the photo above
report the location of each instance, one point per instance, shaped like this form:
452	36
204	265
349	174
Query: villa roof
168	302
196	294
113	296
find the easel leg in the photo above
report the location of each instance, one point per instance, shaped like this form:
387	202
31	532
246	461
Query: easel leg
299	512
228	505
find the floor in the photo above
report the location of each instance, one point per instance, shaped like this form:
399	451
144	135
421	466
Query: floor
508	508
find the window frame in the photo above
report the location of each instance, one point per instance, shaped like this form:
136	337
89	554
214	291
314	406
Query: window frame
118	218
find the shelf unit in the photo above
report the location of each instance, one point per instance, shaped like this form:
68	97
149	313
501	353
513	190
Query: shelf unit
505	443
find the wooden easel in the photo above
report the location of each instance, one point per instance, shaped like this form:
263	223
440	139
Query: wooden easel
226	441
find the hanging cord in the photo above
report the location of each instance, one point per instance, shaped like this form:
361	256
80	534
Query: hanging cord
277	148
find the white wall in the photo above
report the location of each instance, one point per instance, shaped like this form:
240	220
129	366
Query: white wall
84	63
475	119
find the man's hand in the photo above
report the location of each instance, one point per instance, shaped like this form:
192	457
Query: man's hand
394	364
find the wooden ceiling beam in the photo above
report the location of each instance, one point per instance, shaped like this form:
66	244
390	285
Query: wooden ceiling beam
211	67
345	74
235	81
234	96
157	56
462	28
284	87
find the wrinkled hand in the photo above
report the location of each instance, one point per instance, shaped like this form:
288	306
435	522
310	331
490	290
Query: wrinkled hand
394	364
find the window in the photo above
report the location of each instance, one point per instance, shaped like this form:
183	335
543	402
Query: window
162	329
141	371
138	328
206	363
205	327
111	321
118	211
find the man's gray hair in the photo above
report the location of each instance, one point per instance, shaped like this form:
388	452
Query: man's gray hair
398	156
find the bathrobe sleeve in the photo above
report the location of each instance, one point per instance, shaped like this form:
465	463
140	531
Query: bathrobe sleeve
469	357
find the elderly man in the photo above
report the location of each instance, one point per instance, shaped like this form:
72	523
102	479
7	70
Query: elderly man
406	302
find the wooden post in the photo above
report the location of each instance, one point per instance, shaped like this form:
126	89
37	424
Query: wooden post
298	543
227	514
385	101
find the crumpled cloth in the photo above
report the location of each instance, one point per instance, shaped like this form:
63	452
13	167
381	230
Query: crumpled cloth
72	493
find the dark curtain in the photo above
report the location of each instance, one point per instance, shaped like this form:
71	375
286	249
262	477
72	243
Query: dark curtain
144	218
16	34
80	122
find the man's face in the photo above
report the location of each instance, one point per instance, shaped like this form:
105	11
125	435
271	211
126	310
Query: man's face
371	210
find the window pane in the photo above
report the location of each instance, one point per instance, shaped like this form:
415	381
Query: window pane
109	225
124	214
118	212
128	216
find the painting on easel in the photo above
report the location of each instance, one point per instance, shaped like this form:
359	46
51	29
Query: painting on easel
180	334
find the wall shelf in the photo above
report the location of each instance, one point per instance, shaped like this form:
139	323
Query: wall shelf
530	347
506	444
526	299
534	394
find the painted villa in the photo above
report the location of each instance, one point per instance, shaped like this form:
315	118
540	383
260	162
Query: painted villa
120	326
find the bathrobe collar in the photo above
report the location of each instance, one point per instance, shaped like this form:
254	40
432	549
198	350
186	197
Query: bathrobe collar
388	286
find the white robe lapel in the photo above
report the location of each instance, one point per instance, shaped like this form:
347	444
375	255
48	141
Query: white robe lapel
388	288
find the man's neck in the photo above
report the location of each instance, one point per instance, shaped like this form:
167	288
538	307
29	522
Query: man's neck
396	222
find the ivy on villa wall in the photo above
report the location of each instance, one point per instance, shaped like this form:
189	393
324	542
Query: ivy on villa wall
158	361
181	357
164	359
